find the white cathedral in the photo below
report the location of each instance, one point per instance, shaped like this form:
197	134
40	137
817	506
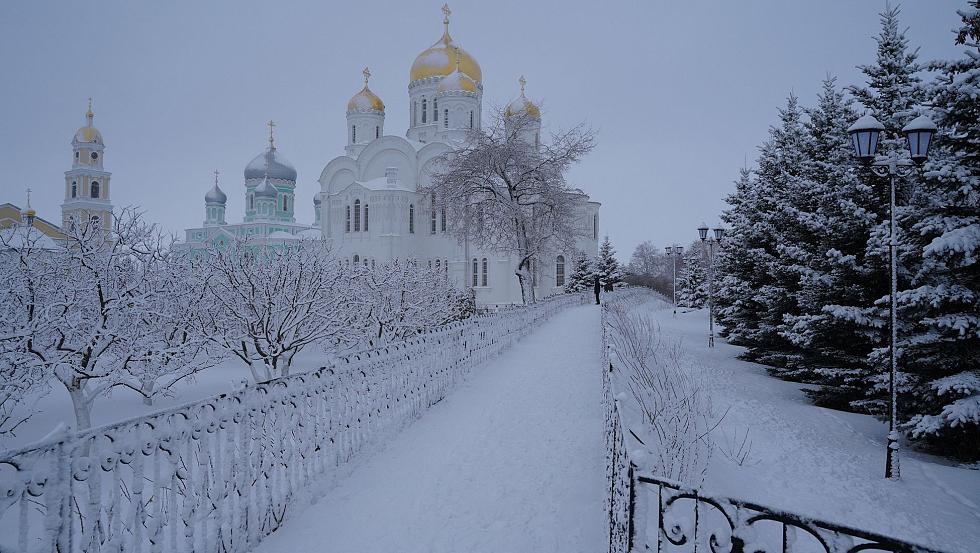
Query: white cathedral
370	206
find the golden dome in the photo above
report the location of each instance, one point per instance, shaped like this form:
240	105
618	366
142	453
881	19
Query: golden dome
88	133
439	59
457	81
522	104
365	100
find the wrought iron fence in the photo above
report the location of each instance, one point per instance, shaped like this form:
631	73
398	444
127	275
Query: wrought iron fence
648	513
219	474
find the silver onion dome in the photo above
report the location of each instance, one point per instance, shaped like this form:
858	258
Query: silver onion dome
215	195
272	164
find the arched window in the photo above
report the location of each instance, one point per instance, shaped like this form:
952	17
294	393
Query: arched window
476	269
595	227
411	218
471	119
445	118
285	202
560	271
353	134
438	265
443	219
377	131
347	229
251	202
432	226
425	109
365	217
483	273
357	259
74	189
435	109
357	215
95	189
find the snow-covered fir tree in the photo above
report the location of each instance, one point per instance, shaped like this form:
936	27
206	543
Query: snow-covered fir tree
607	267
582	277
942	304
692	280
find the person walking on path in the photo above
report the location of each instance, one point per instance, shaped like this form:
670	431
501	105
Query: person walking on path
598	288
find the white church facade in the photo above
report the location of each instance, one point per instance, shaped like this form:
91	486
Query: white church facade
370	206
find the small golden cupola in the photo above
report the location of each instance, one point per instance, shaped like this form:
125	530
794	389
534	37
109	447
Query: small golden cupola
522	104
365	118
439	59
365	100
88	133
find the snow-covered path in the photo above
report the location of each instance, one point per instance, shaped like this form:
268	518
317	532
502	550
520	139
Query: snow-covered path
511	461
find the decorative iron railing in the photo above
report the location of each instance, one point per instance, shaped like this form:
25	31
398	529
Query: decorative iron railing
219	474
648	513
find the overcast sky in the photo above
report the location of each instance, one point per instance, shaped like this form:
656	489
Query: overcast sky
680	92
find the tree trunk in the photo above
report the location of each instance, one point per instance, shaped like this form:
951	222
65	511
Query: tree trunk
526	280
82	408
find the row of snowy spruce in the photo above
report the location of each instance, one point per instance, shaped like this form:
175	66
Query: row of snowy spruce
124	310
802	278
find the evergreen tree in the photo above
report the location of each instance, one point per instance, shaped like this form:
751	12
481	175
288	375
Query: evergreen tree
582	278
839	218
893	91
606	266
692	280
943	303
734	302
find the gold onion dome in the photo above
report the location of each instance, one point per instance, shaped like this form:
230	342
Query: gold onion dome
522	104
439	59
457	81
88	133
365	100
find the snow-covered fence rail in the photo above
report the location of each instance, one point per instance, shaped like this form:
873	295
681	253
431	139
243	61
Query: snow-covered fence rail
219	474
650	513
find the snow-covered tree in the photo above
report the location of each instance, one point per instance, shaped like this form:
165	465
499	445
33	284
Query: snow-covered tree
26	271
942	305
508	195
582	277
401	299
650	267
89	311
267	304
692	280
607	267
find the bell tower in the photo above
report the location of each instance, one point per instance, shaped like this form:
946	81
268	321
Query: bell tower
87	182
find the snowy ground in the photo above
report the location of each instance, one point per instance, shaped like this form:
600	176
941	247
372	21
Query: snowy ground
510	461
55	407
820	462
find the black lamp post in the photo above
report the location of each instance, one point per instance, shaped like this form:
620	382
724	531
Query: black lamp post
865	135
674	252
710	244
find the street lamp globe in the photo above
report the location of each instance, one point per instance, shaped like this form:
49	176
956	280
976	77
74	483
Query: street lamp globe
719	233
669	250
678	250
919	133
703	231
865	133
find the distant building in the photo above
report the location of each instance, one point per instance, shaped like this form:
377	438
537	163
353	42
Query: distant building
87	188
270	201
11	215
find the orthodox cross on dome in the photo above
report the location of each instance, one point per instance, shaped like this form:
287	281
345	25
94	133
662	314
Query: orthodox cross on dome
446	12
367	75
523	82
89	114
216	173
272	138
28	197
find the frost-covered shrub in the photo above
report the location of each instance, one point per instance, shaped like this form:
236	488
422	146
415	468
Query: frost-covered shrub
673	403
